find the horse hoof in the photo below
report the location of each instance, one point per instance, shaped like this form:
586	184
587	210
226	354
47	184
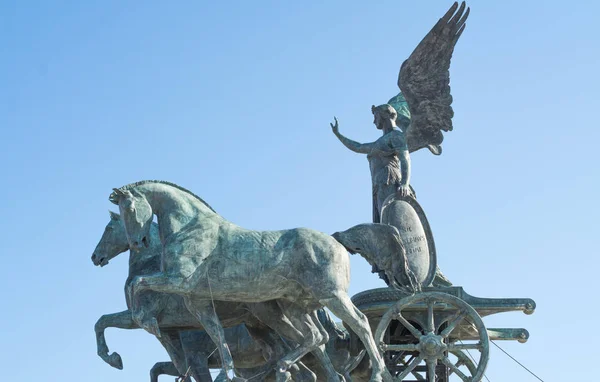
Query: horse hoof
115	361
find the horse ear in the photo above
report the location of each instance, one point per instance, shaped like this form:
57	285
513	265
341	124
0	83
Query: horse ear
114	215
115	196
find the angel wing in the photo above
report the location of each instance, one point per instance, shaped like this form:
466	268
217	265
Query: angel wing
424	82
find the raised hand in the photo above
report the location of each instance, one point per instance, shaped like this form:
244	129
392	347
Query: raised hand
335	127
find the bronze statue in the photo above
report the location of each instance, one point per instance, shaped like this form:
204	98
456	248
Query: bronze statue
208	273
388	157
422	110
413	119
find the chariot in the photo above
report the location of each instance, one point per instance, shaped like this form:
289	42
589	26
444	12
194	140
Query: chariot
425	328
437	331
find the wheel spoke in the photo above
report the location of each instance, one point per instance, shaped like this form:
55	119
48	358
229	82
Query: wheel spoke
410	367
415	373
430	322
399	358
418	376
431	370
455	369
464	360
415	332
477	346
457	365
405	347
455	320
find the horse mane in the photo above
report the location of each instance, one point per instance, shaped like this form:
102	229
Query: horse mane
142	182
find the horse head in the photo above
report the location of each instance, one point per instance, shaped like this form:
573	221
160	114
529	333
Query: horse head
136	214
112	243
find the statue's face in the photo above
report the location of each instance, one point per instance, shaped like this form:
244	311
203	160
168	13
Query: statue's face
377	120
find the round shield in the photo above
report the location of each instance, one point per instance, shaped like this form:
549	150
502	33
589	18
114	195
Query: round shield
408	217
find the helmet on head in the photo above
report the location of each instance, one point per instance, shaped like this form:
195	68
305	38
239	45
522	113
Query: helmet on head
399	104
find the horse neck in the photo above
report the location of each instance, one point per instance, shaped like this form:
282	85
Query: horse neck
176	209
143	262
147	260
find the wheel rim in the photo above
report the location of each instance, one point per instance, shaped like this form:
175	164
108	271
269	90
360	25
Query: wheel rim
432	343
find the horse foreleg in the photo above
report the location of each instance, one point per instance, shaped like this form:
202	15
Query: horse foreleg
189	358
171	341
146	319
121	320
296	325
341	306
207	316
197	347
273	349
269	313
199	367
321	353
160	368
157	283
160	283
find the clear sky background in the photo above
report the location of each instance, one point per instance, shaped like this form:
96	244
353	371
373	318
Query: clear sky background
233	100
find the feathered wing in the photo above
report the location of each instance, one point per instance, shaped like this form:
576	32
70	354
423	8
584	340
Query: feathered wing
424	81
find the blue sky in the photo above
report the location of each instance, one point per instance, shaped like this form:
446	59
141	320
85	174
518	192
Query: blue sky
233	100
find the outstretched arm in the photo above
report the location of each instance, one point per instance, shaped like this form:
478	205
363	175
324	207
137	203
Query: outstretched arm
361	148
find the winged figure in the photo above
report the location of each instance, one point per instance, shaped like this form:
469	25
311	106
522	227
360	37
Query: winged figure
417	116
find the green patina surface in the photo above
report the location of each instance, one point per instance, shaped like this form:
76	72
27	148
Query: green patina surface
399	103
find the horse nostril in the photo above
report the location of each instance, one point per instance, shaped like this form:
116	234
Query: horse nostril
94	257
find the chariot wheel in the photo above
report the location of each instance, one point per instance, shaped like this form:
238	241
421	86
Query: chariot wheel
429	325
463	360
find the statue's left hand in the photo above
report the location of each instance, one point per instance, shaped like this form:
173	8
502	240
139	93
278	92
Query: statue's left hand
404	190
